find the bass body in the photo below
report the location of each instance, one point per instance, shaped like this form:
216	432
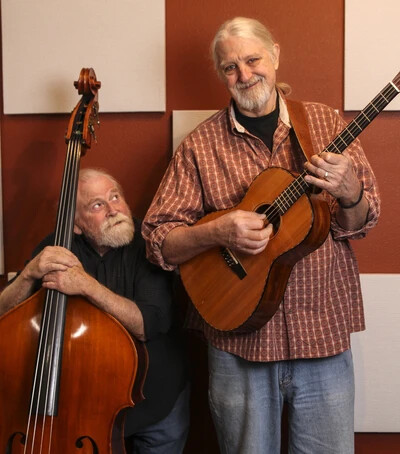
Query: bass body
95	381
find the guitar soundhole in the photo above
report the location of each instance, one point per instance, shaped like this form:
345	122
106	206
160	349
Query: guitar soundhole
272	214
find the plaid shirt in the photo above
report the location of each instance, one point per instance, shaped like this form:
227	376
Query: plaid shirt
212	170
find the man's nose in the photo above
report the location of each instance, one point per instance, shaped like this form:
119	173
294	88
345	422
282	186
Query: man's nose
111	210
245	73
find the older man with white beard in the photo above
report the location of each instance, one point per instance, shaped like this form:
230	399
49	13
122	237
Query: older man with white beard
302	355
107	265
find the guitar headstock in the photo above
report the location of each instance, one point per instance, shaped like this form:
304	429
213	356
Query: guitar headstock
396	81
85	114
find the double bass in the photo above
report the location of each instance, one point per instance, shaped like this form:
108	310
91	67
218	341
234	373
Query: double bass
67	369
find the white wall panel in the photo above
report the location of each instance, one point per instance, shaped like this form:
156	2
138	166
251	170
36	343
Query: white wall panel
372	49
376	354
46	43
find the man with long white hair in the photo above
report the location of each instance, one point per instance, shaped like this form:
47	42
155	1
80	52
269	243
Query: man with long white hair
107	265
302	355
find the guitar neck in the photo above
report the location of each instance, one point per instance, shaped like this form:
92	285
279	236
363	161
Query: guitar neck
299	186
363	119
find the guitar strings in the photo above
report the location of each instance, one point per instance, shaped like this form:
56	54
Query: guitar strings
299	186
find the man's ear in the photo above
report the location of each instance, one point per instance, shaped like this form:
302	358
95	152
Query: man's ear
77	229
275	55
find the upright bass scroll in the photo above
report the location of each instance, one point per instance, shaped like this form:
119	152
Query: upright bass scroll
87	86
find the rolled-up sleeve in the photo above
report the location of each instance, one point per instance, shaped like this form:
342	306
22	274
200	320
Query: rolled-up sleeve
371	192
178	202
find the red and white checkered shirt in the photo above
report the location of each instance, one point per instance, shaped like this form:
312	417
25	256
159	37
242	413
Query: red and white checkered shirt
212	170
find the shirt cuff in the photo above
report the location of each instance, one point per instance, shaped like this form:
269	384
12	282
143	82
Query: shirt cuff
155	242
339	233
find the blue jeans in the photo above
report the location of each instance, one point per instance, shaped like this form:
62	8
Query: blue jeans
167	436
246	400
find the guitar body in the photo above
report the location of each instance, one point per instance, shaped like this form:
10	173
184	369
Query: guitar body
228	302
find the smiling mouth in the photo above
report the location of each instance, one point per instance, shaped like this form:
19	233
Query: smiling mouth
249	86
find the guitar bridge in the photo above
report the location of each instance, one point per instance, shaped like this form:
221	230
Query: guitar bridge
233	262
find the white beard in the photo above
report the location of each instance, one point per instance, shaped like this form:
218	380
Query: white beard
255	99
116	231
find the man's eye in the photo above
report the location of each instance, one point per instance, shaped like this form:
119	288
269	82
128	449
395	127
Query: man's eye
253	61
229	69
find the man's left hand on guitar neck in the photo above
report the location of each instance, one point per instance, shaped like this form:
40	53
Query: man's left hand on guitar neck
334	173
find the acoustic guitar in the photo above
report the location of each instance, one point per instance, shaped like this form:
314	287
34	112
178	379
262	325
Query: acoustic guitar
233	291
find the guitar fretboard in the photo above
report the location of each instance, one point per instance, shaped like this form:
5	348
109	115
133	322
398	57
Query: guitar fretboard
363	119
299	186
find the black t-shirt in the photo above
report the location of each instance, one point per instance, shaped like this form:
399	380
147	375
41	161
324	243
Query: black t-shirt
128	273
261	127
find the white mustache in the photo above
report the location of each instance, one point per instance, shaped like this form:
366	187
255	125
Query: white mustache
243	85
115	220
